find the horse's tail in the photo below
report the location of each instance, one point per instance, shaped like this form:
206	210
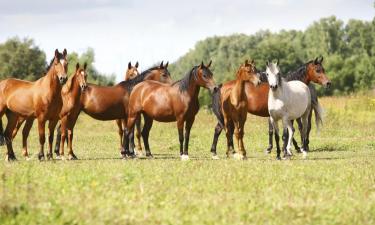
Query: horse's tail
318	111
2	136
216	105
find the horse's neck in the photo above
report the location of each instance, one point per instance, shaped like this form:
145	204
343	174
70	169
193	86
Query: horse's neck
238	92
193	90
279	93
51	81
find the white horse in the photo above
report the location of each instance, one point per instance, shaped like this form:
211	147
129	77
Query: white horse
287	101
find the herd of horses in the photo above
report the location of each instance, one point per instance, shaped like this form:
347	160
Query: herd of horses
153	96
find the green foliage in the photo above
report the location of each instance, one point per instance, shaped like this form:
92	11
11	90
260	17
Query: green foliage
348	50
21	59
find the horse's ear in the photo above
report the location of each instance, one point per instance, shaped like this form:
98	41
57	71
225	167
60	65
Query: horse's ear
253	61
85	66
246	62
277	62
161	64
56	53
129	65
65	53
77	66
267	63
316	60
209	64
136	64
201	65
166	65
321	60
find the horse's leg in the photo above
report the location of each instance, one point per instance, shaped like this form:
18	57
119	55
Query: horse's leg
305	121
229	130
217	133
270	136
238	131
71	155
188	124
61	139
138	135
51	131
25	133
58	141
307	148
120	131
42	137
145	134
18	126
12	123
180	127
295	143
277	137
127	133
290	133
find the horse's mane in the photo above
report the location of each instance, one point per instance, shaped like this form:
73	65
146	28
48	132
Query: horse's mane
183	84
299	73
263	77
68	85
129	84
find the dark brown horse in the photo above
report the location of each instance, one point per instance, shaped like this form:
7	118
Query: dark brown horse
106	103
131	73
29	100
169	103
312	71
234	106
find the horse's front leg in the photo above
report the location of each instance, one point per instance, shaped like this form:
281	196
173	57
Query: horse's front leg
229	130
12	123
180	128
188	125
20	121
51	129
270	136
289	131
120	131
42	137
241	154
138	135
277	137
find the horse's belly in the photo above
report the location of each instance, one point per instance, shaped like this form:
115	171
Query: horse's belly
108	114
21	106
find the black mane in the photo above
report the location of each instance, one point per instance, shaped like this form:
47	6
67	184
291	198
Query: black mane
263	77
184	83
298	74
129	84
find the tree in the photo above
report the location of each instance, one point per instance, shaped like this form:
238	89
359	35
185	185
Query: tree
21	59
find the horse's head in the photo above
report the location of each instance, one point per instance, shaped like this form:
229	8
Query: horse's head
315	73
273	74
60	66
204	77
81	75
161	74
132	71
248	72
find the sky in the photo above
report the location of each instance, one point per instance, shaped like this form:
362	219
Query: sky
151	31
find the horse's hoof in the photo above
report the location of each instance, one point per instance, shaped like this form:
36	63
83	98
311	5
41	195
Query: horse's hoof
286	157
58	157
184	157
72	157
239	156
49	157
27	158
278	158
140	154
268	150
304	154
10	158
215	157
41	157
150	156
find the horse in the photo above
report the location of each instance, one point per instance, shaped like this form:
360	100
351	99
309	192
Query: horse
106	103
287	101
130	73
234	106
39	100
169	103
312	71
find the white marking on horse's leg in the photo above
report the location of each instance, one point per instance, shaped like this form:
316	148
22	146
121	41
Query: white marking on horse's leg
184	157
215	157
290	137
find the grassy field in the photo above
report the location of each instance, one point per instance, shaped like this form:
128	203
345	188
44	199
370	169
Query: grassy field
334	185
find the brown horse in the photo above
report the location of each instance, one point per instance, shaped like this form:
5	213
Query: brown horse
168	103
234	105
131	73
106	103
257	97
40	99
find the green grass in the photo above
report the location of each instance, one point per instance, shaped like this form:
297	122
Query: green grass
334	185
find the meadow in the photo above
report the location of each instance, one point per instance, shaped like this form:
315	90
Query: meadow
334	185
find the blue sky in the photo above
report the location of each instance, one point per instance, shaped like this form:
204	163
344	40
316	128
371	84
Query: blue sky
151	31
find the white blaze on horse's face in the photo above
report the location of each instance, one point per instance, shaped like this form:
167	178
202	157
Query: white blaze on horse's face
272	71
63	77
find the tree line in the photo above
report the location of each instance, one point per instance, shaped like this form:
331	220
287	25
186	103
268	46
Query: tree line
348	51
22	59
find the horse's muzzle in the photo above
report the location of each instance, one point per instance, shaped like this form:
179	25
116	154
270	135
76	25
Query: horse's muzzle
83	87
273	87
328	85
63	80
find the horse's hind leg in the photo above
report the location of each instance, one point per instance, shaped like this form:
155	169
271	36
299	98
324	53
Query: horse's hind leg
217	133
120	131
277	138
145	134
18	126
289	133
25	134
307	148
138	135
12	122
298	149
304	133
270	136
239	125
58	141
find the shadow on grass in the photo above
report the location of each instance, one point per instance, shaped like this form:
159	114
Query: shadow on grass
329	148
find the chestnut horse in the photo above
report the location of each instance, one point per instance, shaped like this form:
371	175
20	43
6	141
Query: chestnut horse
169	103
312	71
234	105
106	103
29	100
